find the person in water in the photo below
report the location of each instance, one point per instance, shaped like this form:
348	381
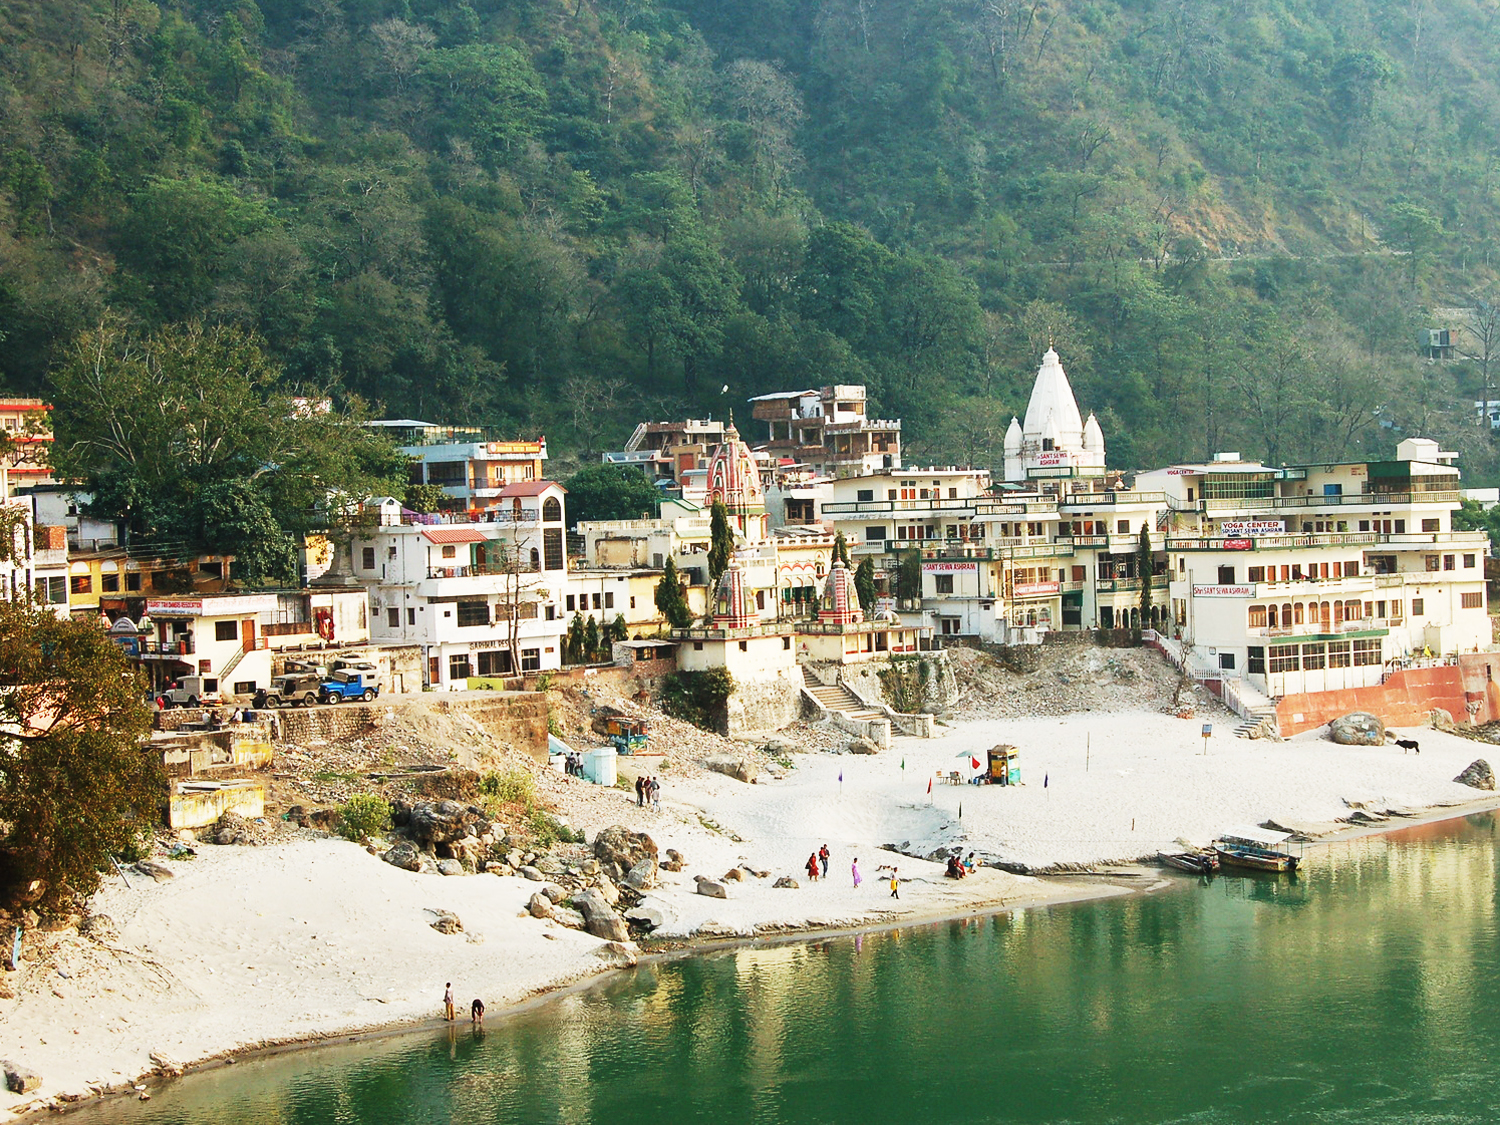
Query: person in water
476	1012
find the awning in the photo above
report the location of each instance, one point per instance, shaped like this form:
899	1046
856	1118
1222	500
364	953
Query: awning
453	535
1255	836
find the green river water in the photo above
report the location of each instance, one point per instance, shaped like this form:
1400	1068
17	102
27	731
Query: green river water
1365	990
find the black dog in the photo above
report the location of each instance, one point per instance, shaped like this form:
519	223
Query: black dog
1408	744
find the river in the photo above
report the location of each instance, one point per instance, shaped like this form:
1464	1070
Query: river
1365	990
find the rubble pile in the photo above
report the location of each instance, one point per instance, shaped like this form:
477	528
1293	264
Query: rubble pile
1071	678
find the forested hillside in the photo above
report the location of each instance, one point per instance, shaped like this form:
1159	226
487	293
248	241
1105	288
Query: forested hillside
562	215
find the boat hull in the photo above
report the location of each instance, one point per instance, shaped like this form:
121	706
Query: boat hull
1198	864
1257	861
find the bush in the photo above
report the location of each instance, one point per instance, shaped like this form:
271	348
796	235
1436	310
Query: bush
513	787
364	814
699	697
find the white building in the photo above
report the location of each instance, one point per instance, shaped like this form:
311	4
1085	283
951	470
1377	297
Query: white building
1055	440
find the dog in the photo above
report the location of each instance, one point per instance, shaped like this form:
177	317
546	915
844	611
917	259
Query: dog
1408	744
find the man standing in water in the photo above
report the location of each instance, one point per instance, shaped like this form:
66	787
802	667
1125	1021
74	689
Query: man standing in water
448	1001
476	1012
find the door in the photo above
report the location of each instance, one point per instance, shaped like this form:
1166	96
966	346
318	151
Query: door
247	634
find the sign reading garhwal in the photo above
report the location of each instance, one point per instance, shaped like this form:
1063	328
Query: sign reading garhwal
1240	529
1223	591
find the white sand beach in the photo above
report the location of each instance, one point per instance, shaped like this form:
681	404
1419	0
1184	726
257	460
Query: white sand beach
312	938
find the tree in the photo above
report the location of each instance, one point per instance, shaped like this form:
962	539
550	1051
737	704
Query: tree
1143	567
909	576
77	785
572	652
840	549
670	599
610	492
721	545
591	639
186	436
864	583
423	497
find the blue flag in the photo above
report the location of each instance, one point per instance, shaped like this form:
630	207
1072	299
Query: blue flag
841	777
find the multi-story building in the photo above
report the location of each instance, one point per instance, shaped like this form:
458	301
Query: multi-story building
668	451
827	430
471	470
27	424
1316	577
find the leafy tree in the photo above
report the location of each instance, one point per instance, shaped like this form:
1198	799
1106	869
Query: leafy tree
909	576
185	435
610	492
591	642
573	645
1143	570
864	583
423	497
77	785
618	630
1471	515
840	549
721	543
671	600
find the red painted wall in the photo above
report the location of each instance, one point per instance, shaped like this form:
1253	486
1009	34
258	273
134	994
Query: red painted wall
1405	697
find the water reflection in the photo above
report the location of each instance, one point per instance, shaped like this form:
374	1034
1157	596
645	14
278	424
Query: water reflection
1361	991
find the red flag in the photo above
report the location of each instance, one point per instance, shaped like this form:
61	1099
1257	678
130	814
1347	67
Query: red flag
929	785
974	762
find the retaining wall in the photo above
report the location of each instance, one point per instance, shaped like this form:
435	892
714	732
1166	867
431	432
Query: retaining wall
1466	690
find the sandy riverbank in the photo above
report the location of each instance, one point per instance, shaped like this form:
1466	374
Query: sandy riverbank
313	938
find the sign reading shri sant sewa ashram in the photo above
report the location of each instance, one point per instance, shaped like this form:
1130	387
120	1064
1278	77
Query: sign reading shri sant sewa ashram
1223	591
1239	529
949	567
1035	589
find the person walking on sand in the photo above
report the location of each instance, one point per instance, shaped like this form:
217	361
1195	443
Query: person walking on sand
854	870
895	885
448	1001
476	1012
640	791
656	794
823	857
812	867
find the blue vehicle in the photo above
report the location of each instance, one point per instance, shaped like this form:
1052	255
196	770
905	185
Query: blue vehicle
345	685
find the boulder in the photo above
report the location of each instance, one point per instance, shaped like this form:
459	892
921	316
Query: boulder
786	883
324	820
1267	729
1358	728
733	875
674	861
645	917
1477	775
641	877
157	871
166	1063
736	766
21	1079
861	746
607	890
618	850
450	867
599	918
569	917
711	889
447	922
1438	719
532	873
554	892
403	854
619	954
550	865
441	822
540	906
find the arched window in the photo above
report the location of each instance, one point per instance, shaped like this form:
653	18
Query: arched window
536	559
1286	614
1297	612
552	510
1273	617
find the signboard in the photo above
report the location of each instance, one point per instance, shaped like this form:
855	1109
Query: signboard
174	607
1181	472
1242	528
1050	458
1036	589
1223	591
234	606
1238	544
949	567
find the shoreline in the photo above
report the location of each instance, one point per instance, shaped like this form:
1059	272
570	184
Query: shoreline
332	931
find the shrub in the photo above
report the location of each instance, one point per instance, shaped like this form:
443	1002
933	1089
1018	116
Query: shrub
513	787
699	697
364	814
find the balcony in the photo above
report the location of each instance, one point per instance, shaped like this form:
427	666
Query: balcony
1115	585
1448	497
481	570
1364	626
1272	542
1109	499
906	507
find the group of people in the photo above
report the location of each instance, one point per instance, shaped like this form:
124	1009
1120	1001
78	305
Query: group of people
476	1009
817	865
959	868
648	792
573	764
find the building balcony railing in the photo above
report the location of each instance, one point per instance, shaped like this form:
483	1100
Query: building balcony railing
1108	499
1353	499
1110	585
1325	629
1271	542
481	570
1082	540
959	506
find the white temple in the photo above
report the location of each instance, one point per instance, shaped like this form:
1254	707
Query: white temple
1055	441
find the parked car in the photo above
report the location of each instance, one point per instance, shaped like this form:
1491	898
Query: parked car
190	691
342	686
291	688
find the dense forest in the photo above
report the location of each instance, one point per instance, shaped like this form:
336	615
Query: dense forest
560	216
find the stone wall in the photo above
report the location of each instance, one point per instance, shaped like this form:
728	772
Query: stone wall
518	719
1466	690
767	703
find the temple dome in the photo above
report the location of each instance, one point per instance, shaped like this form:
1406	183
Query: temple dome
732	608
1052	404
840	597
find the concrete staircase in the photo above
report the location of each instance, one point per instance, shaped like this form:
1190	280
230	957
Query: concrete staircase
1253	708
839	698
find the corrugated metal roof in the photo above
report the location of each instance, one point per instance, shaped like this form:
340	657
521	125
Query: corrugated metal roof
452	535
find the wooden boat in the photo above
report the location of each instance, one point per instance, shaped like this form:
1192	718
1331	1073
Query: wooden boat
1199	863
1256	849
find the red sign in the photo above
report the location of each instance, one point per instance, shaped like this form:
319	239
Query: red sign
1238	544
1036	589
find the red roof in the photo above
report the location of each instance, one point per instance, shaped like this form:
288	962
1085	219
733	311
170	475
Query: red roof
452	535
529	488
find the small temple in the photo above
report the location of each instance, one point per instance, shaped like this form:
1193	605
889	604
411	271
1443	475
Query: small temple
734	481
1055	441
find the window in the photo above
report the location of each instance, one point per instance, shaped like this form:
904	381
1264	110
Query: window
1351	570
1257	617
226	630
1468	565
1400	527
744	646
1256	574
786	643
1367	653
1338	654
552	544
552	510
1430	561
1449	562
81	583
110	583
874	534
697	646
1471	601
570	600
632	602
211	569
1079	573
1364	525
390	552
1255	660
865	495
1418	606
531	660
1284	658
943	583
475	612
367	558
449	552
598	601
1226	661
458	666
609	599
1430	525
411	617
52	591
493	663
1226	576
133	580
1122	527
1313	657
393	618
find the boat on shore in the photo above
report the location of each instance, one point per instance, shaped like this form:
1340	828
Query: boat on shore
1255	849
1199	863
